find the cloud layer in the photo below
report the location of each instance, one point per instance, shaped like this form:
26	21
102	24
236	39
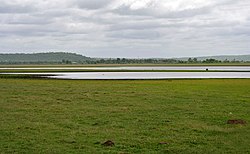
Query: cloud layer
126	28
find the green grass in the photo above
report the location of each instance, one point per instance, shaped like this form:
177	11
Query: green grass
45	70
76	116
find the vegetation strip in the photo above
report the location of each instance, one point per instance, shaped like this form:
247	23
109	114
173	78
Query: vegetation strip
54	71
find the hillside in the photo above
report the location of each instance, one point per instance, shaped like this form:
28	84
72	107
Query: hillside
222	58
42	57
69	58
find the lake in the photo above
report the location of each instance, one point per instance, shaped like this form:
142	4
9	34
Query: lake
142	75
189	68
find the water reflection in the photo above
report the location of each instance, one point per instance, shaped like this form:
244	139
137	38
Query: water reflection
212	68
142	75
151	75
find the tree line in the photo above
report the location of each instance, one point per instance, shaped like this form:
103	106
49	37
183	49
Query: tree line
153	61
129	61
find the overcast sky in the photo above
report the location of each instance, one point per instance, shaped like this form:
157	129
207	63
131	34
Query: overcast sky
126	28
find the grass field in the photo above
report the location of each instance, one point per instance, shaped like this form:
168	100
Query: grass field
76	116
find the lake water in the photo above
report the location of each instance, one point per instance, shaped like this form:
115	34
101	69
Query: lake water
212	68
142	75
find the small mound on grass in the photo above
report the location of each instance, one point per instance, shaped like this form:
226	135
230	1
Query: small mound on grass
108	143
236	121
164	143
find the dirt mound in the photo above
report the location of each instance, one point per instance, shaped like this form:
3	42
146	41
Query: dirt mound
164	143
108	143
236	121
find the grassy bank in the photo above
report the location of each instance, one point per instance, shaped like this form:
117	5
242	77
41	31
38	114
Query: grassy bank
76	116
79	70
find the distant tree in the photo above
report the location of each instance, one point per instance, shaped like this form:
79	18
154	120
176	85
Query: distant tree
226	61
66	61
211	61
123	60
190	60
102	61
118	60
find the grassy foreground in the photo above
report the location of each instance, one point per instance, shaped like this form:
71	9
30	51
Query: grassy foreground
76	116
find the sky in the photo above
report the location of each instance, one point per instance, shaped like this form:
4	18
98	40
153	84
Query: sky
126	28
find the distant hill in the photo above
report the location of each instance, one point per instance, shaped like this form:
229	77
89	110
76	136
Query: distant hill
42	57
73	58
222	58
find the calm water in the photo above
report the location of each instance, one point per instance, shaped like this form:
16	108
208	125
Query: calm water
143	75
215	68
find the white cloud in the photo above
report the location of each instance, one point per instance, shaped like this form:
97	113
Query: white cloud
126	28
